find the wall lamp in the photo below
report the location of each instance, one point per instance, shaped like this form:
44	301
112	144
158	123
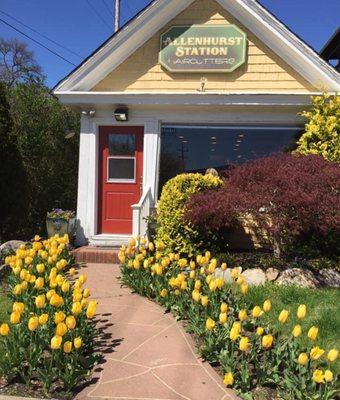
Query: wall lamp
121	114
90	113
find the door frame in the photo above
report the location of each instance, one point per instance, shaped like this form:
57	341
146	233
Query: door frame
88	179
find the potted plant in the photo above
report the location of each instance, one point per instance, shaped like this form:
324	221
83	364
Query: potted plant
59	222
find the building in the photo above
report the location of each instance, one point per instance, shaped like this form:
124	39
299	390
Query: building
184	86
331	50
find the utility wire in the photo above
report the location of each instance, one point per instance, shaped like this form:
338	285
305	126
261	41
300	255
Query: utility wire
107	7
42	35
98	15
37	42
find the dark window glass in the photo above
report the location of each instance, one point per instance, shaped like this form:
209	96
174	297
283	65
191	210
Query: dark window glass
197	148
121	169
122	145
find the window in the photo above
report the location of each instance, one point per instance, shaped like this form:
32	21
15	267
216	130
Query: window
192	148
121	163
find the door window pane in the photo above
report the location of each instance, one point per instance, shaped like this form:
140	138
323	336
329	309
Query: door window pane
122	145
121	169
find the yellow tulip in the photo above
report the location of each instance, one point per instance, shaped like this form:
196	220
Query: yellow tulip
210	324
313	333
316	353
328	375
33	323
40	268
56	300
332	355
4	329
196	296
259	331
256	311
267	341
234	273
59	317
39	283
228	379
164	293
19	307
198	285
49	294
67	347
318	376
17	290
15	317
56	342
223	318
303	359
76	308
72	271
297	331
40	301
242	315
61	329
65	287
244	344
82	278
234	334
77	342
70	322
212	286
302	311
224	308
91	309
224	266
267	306
283	316
43	318
204	301
244	288
77	295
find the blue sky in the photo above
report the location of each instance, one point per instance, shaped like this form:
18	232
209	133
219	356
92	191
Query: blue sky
76	25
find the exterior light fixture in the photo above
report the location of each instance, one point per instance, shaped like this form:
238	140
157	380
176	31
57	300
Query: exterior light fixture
121	114
90	113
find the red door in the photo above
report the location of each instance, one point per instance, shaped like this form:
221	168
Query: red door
120	177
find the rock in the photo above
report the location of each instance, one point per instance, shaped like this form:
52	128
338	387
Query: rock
226	275
329	277
254	276
12	245
298	277
272	274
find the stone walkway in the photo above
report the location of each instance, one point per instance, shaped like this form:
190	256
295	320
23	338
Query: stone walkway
147	354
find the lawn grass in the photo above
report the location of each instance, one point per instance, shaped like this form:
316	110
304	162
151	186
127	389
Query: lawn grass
323	311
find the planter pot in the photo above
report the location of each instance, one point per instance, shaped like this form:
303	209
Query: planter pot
60	226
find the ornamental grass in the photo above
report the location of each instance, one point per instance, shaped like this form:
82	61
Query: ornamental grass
250	351
49	338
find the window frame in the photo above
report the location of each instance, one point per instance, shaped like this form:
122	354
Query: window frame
117	180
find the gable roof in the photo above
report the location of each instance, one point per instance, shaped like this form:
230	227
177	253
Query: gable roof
272	32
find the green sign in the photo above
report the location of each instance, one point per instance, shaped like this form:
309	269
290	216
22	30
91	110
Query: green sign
203	48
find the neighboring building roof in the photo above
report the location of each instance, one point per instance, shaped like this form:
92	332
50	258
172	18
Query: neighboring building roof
331	50
158	13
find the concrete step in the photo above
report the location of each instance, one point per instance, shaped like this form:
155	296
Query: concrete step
97	255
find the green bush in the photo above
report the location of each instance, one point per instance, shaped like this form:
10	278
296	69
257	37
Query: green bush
179	235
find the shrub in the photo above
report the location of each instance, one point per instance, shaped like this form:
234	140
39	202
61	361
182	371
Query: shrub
322	132
233	333
50	335
288	195
172	229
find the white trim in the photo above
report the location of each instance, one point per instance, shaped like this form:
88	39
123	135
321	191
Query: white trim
259	21
106	240
185	98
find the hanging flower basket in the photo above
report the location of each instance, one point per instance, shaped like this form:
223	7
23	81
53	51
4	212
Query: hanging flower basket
60	222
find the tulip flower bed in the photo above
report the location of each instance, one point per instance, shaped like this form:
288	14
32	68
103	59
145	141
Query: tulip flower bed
47	341
237	338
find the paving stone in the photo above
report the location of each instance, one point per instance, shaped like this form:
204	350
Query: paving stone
147	355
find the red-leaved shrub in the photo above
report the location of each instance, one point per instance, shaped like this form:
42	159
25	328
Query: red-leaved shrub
288	195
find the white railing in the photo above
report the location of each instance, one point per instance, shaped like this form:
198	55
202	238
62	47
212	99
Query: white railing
140	212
